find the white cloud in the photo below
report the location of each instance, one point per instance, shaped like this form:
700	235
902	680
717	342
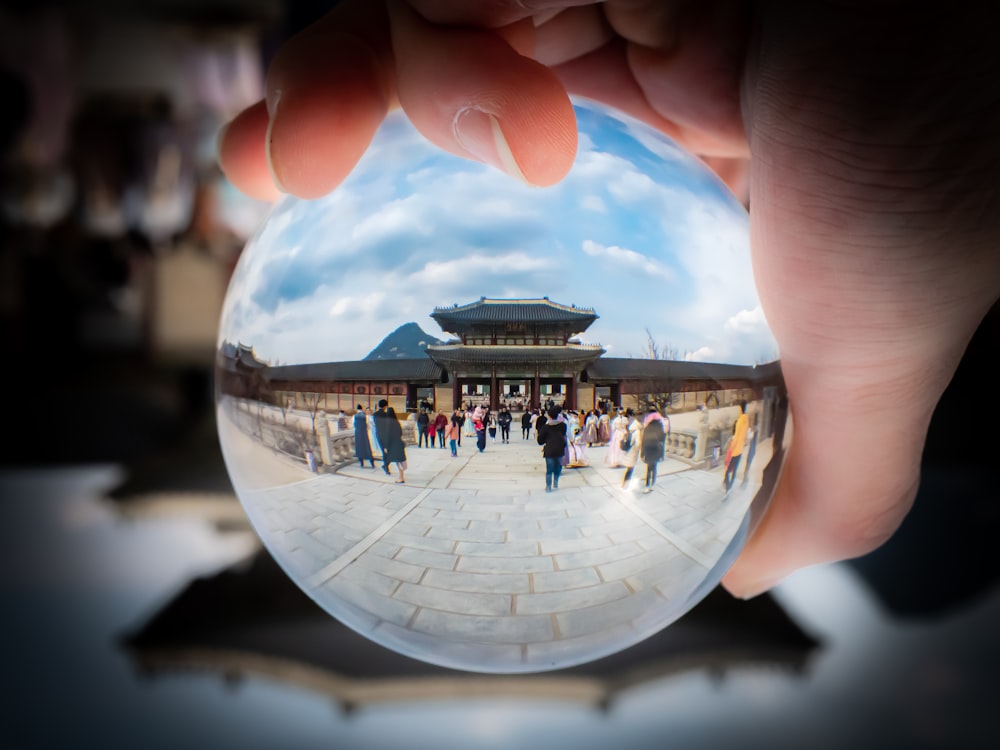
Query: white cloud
747	321
352	306
622	256
398	218
436	272
631	186
593	203
703	354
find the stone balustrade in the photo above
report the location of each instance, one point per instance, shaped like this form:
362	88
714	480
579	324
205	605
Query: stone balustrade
682	444
333	448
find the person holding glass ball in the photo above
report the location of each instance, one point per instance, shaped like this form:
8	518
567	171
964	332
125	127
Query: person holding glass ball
870	177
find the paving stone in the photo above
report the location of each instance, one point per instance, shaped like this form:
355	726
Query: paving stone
478	531
453	648
397	569
459	602
466	514
383	548
579	544
567	651
561	580
490	583
428	543
498	549
570	599
519	531
298	539
632	566
426	558
606	616
370	579
301	562
517	565
637	534
510	629
487	531
383	607
594	557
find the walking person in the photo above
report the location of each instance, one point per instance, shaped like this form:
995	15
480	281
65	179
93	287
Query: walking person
395	449
480	429
362	445
454	433
504	421
552	437
491	425
382	430
629	445
736	445
654	443
370	419
526	424
604	427
423	422
440	425
751	451
615	454
589	431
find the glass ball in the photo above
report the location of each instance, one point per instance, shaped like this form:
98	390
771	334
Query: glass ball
496	427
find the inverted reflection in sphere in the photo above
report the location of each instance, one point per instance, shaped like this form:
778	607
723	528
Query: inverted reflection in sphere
619	302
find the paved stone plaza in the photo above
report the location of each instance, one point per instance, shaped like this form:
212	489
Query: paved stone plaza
473	560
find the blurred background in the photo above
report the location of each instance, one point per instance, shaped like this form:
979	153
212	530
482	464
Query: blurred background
139	608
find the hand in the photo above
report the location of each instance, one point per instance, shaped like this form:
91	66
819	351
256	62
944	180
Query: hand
873	179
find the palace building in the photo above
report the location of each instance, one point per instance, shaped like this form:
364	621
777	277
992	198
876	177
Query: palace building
515	352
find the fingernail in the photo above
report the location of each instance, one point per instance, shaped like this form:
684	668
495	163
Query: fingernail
272	109
479	133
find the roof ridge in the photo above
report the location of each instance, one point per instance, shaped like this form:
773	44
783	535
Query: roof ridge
516	300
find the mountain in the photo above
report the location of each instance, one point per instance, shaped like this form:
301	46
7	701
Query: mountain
409	341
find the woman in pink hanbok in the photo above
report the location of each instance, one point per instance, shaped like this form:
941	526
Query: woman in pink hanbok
589	431
603	428
615	457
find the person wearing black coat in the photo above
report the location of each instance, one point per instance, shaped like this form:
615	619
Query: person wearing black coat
395	449
504	419
654	442
382	427
526	424
362	445
552	438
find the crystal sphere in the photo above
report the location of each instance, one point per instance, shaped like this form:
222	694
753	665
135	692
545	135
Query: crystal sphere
502	428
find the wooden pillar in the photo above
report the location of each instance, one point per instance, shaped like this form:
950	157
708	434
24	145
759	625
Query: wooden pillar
456	392
536	391
571	396
494	396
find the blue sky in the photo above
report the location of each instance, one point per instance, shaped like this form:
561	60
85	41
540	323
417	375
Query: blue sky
639	231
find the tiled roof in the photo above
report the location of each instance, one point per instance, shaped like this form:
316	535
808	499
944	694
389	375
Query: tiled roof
542	310
497	355
612	368
422	368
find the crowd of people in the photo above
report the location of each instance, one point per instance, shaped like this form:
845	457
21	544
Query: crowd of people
564	435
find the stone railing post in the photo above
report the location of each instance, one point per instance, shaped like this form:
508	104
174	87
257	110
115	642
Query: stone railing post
323	436
701	443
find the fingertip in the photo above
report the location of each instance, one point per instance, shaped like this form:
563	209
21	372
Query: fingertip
327	95
242	157
469	92
748	588
537	159
545	141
